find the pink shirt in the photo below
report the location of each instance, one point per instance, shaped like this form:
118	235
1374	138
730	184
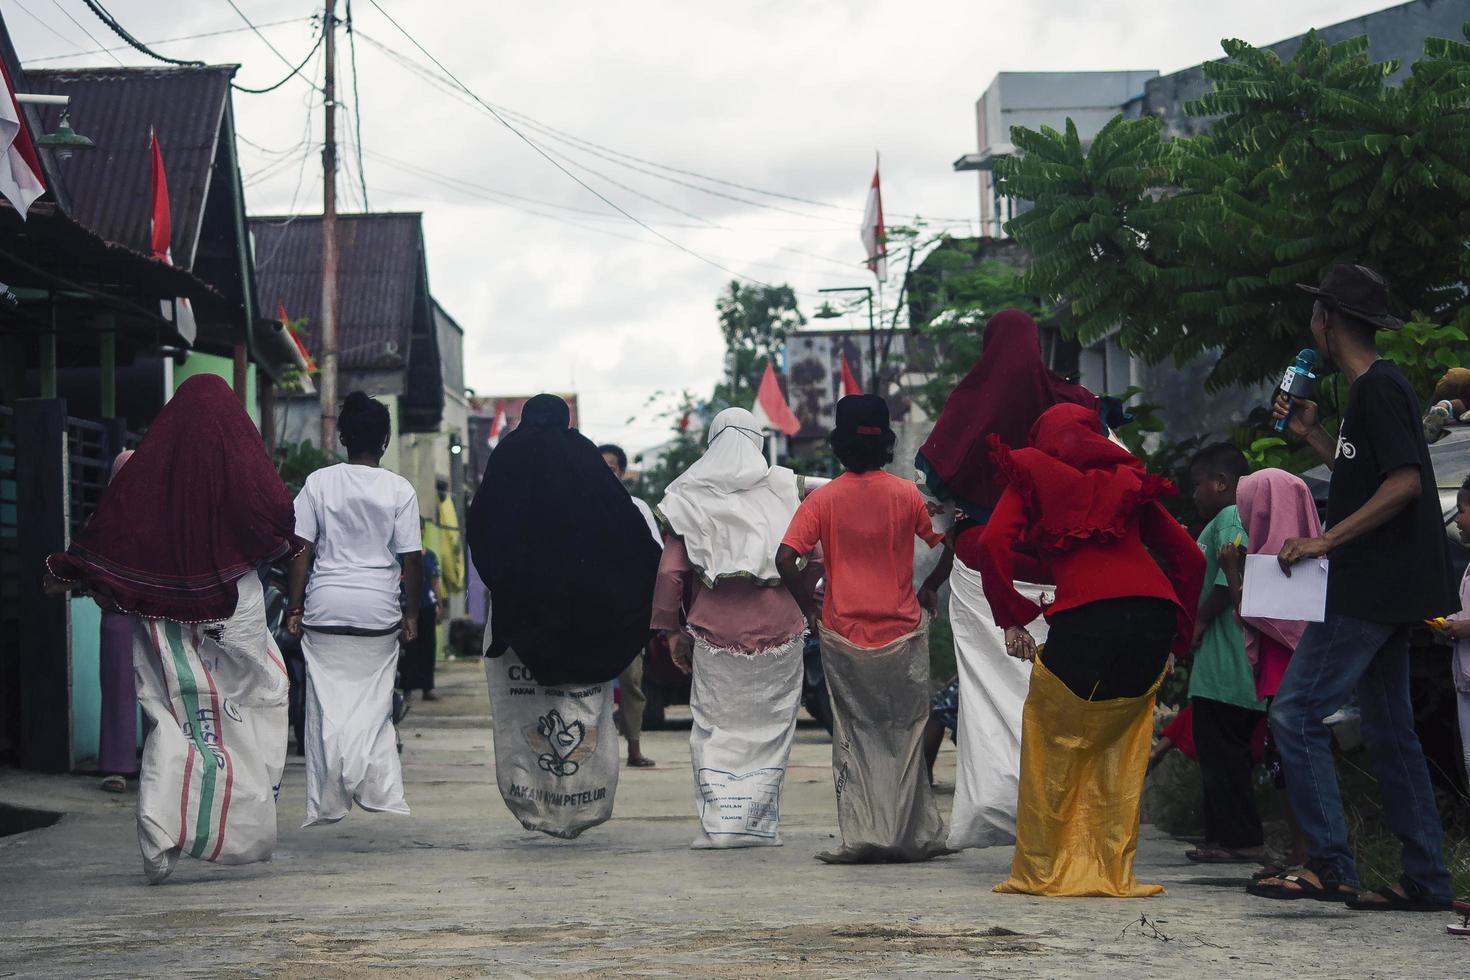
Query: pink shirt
735	615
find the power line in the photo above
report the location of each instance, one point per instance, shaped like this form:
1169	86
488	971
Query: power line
602	151
67	14
294	72
116	28
164	40
33	16
356	105
256	31
549	159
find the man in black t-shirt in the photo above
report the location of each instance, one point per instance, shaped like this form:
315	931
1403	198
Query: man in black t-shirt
1389	569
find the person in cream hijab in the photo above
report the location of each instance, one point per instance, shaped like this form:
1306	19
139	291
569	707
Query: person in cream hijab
719	601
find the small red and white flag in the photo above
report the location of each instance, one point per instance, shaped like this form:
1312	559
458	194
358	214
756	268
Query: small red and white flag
850	384
160	234
771	410
20	170
497	425
304	363
875	237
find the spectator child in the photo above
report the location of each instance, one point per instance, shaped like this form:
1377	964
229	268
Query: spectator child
1222	687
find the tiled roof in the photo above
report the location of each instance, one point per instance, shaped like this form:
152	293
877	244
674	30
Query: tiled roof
379	265
109	188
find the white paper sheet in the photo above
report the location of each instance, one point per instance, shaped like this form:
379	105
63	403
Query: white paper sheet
1269	594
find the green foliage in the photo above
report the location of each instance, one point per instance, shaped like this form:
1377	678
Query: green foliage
295	461
755	322
958	293
1196	245
1424	351
1166	458
688	421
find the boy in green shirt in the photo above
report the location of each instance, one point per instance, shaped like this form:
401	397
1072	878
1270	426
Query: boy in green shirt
1222	684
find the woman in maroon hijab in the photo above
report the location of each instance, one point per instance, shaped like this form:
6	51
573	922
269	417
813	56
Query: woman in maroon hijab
1002	396
176	540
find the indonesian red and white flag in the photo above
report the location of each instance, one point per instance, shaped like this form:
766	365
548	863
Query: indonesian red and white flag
875	237
850	384
160	235
771	410
20	171
304	363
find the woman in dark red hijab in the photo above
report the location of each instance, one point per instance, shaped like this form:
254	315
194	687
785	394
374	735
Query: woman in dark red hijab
177	540
1003	396
198	506
1088	508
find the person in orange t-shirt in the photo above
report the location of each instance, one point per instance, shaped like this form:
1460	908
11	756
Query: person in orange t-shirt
874	638
866	521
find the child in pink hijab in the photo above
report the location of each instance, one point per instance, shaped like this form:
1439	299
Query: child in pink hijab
1274	506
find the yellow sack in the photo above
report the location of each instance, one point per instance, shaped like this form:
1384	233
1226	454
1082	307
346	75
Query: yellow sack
1082	770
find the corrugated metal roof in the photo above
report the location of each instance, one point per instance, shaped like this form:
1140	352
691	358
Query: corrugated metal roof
108	189
379	263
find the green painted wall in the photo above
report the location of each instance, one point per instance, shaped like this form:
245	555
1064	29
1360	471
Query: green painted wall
86	683
224	367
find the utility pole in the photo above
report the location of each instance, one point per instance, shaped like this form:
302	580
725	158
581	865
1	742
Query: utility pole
329	239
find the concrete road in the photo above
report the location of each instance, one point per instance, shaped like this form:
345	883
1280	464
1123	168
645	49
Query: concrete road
459	889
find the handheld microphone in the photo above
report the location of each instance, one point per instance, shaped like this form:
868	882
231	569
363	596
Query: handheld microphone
1297	381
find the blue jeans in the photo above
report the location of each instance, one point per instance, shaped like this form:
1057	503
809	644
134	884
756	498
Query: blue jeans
1333	658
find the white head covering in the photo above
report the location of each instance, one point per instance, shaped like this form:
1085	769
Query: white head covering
731	508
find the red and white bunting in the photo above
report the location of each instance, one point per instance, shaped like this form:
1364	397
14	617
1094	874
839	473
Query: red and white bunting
20	170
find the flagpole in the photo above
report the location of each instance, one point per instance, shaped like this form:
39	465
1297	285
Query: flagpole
329	239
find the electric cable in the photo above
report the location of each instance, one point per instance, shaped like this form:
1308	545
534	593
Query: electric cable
163	40
552	160
35	17
294	72
132	42
356	105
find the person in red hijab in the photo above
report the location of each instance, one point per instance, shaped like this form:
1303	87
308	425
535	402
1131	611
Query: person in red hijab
1086	507
1002	396
176	540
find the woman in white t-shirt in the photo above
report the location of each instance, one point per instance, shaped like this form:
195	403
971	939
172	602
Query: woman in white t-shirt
358	520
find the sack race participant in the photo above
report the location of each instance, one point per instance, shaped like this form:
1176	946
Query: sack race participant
1090	510
1003	396
176	541
993	689
361	525
720	603
569	564
874	639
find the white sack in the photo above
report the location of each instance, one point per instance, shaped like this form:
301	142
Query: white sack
216	694
556	750
744	707
993	688
351	746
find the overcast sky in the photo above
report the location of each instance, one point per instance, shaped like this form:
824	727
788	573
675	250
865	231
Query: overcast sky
791	97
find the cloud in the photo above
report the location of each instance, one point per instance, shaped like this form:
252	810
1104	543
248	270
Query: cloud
792	96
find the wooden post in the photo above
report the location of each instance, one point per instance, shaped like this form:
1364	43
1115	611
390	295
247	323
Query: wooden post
328	313
242	373
107	368
267	389
44	662
48	356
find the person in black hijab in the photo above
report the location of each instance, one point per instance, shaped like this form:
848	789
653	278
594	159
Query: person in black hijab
567	557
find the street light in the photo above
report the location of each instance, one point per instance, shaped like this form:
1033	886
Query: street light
827	313
65	140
